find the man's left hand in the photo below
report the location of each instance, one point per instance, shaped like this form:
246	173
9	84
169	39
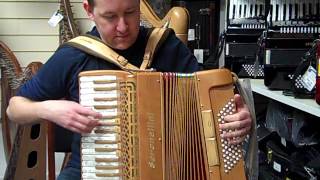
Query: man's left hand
240	122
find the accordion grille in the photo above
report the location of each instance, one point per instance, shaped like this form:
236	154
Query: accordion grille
128	134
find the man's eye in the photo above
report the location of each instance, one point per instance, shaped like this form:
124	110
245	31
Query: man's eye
110	17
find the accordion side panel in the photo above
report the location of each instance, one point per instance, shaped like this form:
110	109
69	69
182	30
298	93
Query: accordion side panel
216	92
150	119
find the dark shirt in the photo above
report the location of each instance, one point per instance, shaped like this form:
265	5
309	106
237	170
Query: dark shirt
58	77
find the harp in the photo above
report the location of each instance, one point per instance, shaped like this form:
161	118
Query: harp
177	18
24	145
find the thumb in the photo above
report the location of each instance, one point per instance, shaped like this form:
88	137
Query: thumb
238	101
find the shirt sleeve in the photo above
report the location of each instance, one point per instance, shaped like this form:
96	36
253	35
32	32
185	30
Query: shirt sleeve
51	81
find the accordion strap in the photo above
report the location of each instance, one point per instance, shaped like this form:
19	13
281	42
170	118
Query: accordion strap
94	46
156	38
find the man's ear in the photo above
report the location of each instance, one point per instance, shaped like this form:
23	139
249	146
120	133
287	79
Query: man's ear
88	9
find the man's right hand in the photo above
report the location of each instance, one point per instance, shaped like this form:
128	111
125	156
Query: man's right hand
67	114
70	115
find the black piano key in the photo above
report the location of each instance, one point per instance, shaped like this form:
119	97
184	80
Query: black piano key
245	10
290	11
251	10
234	11
284	12
240	11
261	10
271	12
255	10
277	12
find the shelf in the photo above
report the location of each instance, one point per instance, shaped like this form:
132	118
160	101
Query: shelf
306	105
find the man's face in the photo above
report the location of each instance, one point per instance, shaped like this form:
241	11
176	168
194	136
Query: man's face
116	20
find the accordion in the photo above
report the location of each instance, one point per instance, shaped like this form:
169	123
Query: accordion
159	126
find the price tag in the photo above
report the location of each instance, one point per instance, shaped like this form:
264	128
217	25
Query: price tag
191	35
277	166
308	79
198	53
55	19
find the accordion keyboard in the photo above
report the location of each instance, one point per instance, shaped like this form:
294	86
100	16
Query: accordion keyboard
101	148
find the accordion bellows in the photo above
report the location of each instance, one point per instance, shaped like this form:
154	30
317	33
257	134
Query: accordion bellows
159	126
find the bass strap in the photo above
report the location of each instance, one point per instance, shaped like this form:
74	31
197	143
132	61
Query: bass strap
94	46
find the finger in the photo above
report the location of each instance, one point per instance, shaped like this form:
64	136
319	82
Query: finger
238	101
89	112
243	114
236	124
85	122
82	127
236	133
237	140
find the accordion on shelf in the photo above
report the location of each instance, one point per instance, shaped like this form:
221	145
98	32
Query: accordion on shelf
159	126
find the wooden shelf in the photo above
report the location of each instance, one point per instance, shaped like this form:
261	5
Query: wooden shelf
306	105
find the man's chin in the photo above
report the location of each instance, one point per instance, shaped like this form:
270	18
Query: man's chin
122	46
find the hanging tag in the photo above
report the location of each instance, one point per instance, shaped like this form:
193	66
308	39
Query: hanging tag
308	79
198	53
55	19
191	35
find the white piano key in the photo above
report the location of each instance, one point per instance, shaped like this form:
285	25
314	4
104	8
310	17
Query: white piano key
231	8
237	3
108	112
273	15
91	157
95	103
90	169
88	137
93	151
85	97
110	178
247	5
95	163
94	145
281	11
92	91
94	176
301	9
90	84
103	78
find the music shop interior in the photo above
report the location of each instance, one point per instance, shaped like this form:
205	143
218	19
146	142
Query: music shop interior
268	51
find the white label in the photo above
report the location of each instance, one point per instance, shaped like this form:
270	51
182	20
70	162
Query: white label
276	166
198	53
283	142
308	80
191	35
55	19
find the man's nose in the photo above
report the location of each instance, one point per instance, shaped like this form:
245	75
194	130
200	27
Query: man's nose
122	25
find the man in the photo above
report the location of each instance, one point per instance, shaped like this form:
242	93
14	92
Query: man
117	24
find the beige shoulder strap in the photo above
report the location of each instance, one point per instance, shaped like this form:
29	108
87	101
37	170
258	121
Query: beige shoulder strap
156	38
95	47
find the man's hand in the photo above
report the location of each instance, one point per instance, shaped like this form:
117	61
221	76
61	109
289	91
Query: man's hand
240	122
70	115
